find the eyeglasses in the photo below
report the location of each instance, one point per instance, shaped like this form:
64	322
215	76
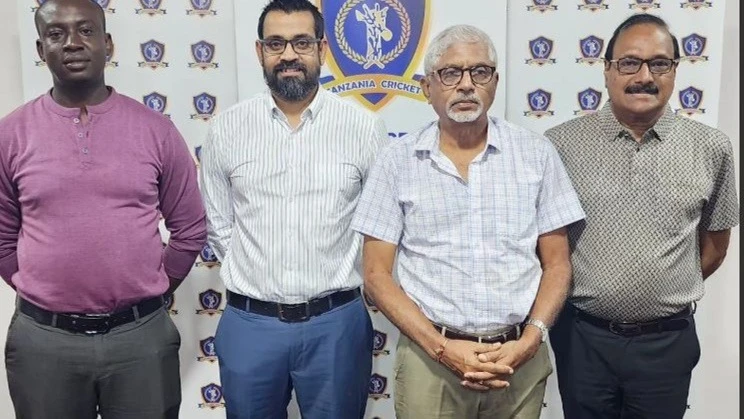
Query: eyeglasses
630	65
276	46
480	74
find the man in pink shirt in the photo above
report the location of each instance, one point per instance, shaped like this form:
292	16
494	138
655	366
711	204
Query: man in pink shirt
84	175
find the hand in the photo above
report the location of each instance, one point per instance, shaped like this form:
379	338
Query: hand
513	354
461	357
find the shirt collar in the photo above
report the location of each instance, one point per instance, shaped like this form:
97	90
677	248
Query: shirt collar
101	108
311	111
614	129
428	139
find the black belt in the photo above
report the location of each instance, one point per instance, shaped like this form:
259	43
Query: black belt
677	321
90	324
292	313
512	334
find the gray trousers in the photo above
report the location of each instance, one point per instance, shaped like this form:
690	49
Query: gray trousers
130	372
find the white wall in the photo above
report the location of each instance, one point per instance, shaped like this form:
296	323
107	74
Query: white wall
723	287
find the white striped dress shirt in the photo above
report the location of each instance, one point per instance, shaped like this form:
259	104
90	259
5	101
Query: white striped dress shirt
280	201
466	250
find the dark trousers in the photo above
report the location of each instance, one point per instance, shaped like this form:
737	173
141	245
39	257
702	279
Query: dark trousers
131	372
327	360
602	375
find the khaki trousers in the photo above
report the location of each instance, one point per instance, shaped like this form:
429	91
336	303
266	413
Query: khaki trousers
425	389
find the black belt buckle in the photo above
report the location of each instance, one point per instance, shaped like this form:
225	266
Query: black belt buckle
625	329
294	313
91	324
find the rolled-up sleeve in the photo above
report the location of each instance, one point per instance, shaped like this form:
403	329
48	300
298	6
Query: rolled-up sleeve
181	206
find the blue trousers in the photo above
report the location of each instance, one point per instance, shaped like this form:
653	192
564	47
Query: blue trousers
327	360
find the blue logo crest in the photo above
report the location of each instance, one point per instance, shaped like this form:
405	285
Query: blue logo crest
542	6
375	47
197	154
203	53
156	102
212	396
377	386
378	344
539	102
210	300
693	47
153	53
201	8
105	6
644	5
207	256
204	104
540	49
696	4
593	5
690	99
170	301
150	7
589	101
206	346
590	49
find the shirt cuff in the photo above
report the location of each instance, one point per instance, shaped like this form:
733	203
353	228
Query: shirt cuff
177	264
8	267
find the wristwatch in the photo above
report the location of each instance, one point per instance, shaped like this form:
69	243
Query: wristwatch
540	325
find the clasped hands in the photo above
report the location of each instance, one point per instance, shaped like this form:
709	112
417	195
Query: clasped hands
486	366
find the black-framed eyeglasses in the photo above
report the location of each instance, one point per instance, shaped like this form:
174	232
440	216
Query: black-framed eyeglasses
276	46
631	65
480	74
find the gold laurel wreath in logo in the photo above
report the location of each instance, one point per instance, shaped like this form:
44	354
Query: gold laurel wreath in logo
338	30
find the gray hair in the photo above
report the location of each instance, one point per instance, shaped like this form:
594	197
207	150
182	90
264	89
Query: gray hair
457	34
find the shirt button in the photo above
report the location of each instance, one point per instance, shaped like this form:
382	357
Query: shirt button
80	135
76	120
85	150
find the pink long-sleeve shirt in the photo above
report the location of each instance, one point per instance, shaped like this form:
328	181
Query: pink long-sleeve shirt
80	204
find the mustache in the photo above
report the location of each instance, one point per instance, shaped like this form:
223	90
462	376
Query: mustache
465	98
289	65
648	88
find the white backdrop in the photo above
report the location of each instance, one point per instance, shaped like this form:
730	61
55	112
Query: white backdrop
178	24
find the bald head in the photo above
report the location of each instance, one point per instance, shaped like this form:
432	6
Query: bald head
49	8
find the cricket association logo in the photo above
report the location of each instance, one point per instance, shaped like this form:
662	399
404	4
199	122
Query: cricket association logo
540	48
157	102
593	5
210	301
589	101
693	46
690	99
541	6
378	344
696	4
539	103
212	397
644	5
201	8
206	347
150	7
375	47
207	256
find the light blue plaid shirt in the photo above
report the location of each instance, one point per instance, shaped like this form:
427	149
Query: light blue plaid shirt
467	250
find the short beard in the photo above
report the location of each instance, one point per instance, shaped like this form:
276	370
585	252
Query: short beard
463	117
292	89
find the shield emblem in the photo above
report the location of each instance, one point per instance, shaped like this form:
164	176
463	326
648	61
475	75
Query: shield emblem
539	100
207	346
591	46
169	301
369	40
693	45
103	3
152	50
379	341
201	4
593	2
197	153
155	101
150	4
211	393
541	2
203	52
377	384
204	104
541	47
210	299
589	99
206	254
690	98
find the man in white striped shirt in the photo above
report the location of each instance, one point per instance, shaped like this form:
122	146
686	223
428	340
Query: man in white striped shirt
281	176
475	210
